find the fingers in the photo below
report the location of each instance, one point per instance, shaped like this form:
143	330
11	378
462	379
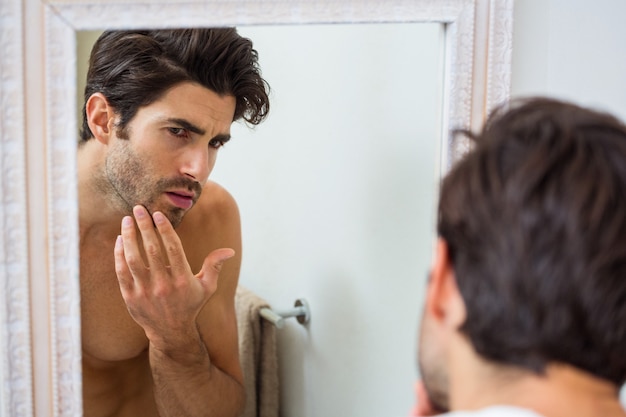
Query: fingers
151	243
130	249
216	259
162	248
124	276
129	257
212	266
171	243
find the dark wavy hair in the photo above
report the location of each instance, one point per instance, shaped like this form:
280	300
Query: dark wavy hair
535	220
135	68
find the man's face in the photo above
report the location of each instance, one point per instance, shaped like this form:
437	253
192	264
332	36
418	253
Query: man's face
167	151
432	365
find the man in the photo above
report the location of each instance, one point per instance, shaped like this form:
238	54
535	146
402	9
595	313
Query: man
525	311
159	328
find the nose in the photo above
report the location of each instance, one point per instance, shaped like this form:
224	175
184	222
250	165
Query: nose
198	163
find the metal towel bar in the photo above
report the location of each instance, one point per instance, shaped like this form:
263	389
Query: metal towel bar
300	311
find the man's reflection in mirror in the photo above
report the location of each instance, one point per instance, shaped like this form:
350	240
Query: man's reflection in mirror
159	332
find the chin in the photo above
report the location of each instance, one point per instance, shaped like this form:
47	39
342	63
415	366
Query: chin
432	368
175	216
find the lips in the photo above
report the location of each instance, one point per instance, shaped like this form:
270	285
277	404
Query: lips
181	199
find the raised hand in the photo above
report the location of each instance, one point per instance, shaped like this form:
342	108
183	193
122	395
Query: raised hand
162	294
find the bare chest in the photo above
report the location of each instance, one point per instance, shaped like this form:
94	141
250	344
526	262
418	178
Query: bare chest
108	331
118	389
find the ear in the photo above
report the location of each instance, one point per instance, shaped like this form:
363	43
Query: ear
443	299
100	117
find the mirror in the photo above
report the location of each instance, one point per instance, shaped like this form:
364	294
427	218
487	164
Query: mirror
38	148
337	194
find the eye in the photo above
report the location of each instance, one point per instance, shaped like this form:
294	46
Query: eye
216	143
179	132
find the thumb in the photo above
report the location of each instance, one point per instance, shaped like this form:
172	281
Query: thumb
212	266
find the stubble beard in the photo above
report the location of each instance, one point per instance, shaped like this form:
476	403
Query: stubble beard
433	373
128	183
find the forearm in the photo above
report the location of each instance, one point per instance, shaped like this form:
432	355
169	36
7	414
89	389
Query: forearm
188	385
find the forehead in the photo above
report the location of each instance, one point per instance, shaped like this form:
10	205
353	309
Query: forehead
195	103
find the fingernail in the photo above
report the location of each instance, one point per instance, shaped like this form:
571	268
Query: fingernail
158	217
228	255
139	211
127	221
118	241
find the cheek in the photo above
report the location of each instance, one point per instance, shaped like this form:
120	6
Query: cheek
212	160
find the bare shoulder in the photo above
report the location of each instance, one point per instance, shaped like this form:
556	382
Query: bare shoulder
217	199
212	223
215	204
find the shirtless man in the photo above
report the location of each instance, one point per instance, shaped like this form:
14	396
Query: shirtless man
525	312
158	328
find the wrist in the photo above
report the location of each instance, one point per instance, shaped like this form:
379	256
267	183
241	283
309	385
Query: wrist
185	350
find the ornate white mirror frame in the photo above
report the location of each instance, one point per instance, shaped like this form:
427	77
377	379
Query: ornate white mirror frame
40	346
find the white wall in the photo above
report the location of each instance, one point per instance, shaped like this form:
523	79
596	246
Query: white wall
574	50
337	195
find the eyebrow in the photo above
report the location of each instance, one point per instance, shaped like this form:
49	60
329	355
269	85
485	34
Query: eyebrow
187	125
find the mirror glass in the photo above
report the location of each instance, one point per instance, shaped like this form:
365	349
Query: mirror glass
337	193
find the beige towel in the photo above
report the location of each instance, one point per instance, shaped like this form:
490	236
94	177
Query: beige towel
257	353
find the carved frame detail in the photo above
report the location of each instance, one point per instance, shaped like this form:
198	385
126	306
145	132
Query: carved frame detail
15	340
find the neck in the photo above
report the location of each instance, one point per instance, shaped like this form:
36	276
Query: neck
561	391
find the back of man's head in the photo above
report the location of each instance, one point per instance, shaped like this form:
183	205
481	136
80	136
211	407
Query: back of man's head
535	221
